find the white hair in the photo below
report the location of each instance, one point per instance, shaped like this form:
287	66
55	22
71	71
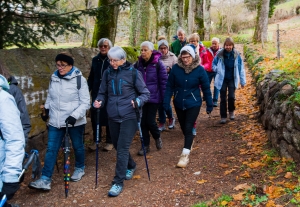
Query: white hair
102	40
116	53
180	30
148	44
215	39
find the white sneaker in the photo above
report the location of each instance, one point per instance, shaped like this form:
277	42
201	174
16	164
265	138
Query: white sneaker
171	123
108	147
231	115
161	127
183	161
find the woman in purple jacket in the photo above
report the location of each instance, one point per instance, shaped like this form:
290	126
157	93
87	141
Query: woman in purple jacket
155	77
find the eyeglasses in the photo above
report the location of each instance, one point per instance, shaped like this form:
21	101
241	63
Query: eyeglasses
113	61
185	57
61	66
163	48
103	46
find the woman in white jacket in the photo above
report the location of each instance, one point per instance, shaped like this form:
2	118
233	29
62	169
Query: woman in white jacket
12	143
67	101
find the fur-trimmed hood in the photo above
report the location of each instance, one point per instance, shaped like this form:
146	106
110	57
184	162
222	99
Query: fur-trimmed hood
192	66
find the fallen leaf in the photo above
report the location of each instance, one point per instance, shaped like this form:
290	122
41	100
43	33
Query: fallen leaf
224	203
238	197
224	165
252	197
246	174
136	177
256	164
197	173
228	171
288	175
280	170
201	181
271	203
243	186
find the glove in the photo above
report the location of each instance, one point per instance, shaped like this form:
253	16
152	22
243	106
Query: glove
71	120
45	118
9	189
138	101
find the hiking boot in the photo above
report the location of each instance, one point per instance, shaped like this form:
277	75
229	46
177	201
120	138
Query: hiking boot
93	146
194	131
183	161
108	147
40	184
215	104
161	127
141	152
158	143
223	121
171	123
129	173
231	115
77	175
115	190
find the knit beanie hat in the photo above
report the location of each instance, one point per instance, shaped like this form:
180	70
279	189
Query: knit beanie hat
3	83
189	49
65	58
163	42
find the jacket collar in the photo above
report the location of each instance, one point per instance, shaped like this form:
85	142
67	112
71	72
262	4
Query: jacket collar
189	68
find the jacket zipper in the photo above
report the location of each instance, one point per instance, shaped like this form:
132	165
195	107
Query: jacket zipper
120	86
193	96
176	94
113	86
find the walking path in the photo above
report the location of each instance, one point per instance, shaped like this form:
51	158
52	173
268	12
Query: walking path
216	165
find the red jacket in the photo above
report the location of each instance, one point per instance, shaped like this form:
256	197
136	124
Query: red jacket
211	55
204	57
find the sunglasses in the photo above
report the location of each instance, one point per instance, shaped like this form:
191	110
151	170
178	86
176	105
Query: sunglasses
103	46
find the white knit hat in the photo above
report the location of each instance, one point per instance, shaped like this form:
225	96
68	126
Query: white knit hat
163	42
189	50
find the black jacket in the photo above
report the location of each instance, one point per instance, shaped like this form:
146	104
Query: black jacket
16	92
99	64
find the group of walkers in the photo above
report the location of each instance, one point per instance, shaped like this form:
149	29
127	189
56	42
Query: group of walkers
181	71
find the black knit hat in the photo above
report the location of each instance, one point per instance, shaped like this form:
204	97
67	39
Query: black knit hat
64	58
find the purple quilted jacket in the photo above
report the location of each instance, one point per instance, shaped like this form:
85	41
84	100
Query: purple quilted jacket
155	77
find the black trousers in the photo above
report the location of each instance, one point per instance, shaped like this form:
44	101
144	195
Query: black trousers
122	135
103	122
228	85
148	123
186	119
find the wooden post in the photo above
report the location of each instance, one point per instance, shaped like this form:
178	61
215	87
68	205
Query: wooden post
278	43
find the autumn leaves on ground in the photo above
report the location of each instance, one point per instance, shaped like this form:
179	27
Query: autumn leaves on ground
230	165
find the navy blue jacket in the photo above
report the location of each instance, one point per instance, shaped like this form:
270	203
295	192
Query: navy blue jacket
117	89
185	85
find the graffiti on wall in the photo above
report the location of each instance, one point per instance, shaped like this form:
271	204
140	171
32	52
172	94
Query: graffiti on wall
32	97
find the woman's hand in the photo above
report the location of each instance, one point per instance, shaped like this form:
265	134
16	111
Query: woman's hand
97	104
137	101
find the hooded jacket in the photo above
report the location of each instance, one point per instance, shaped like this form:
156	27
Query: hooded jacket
169	59
64	99
12	141
176	46
155	77
16	92
219	67
184	83
118	89
211	55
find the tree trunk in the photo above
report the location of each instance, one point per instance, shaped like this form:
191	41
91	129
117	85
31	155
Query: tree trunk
164	17
199	19
106	22
134	22
144	9
86	19
207	19
180	13
261	27
191	16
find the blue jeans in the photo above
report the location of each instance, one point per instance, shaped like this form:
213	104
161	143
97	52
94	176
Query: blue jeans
227	84
212	75
122	135
55	137
162	113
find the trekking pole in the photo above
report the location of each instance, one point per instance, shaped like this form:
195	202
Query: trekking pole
32	157
97	143
138	117
67	160
3	200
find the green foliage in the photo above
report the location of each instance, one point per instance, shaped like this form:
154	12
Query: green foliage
186	8
207	44
219	202
29	23
252	198
200	205
272	7
132	53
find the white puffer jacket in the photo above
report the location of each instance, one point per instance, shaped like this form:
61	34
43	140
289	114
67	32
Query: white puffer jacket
64	99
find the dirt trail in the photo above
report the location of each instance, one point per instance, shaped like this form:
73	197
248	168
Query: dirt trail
216	153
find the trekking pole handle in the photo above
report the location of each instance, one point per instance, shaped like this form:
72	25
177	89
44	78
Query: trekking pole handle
136	107
3	200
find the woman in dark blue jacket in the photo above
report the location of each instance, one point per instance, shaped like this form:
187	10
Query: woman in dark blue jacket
184	81
119	88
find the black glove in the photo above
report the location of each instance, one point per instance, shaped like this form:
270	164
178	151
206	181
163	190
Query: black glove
45	118
71	120
9	189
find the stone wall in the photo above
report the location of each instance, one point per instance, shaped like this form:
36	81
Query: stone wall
279	115
32	69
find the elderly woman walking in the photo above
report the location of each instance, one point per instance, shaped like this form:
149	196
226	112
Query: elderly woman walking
229	67
119	90
155	77
66	103
169	59
184	81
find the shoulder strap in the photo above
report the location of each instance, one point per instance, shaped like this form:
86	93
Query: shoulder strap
78	82
134	76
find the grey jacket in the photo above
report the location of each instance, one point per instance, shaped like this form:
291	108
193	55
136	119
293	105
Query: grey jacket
169	59
64	99
118	90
